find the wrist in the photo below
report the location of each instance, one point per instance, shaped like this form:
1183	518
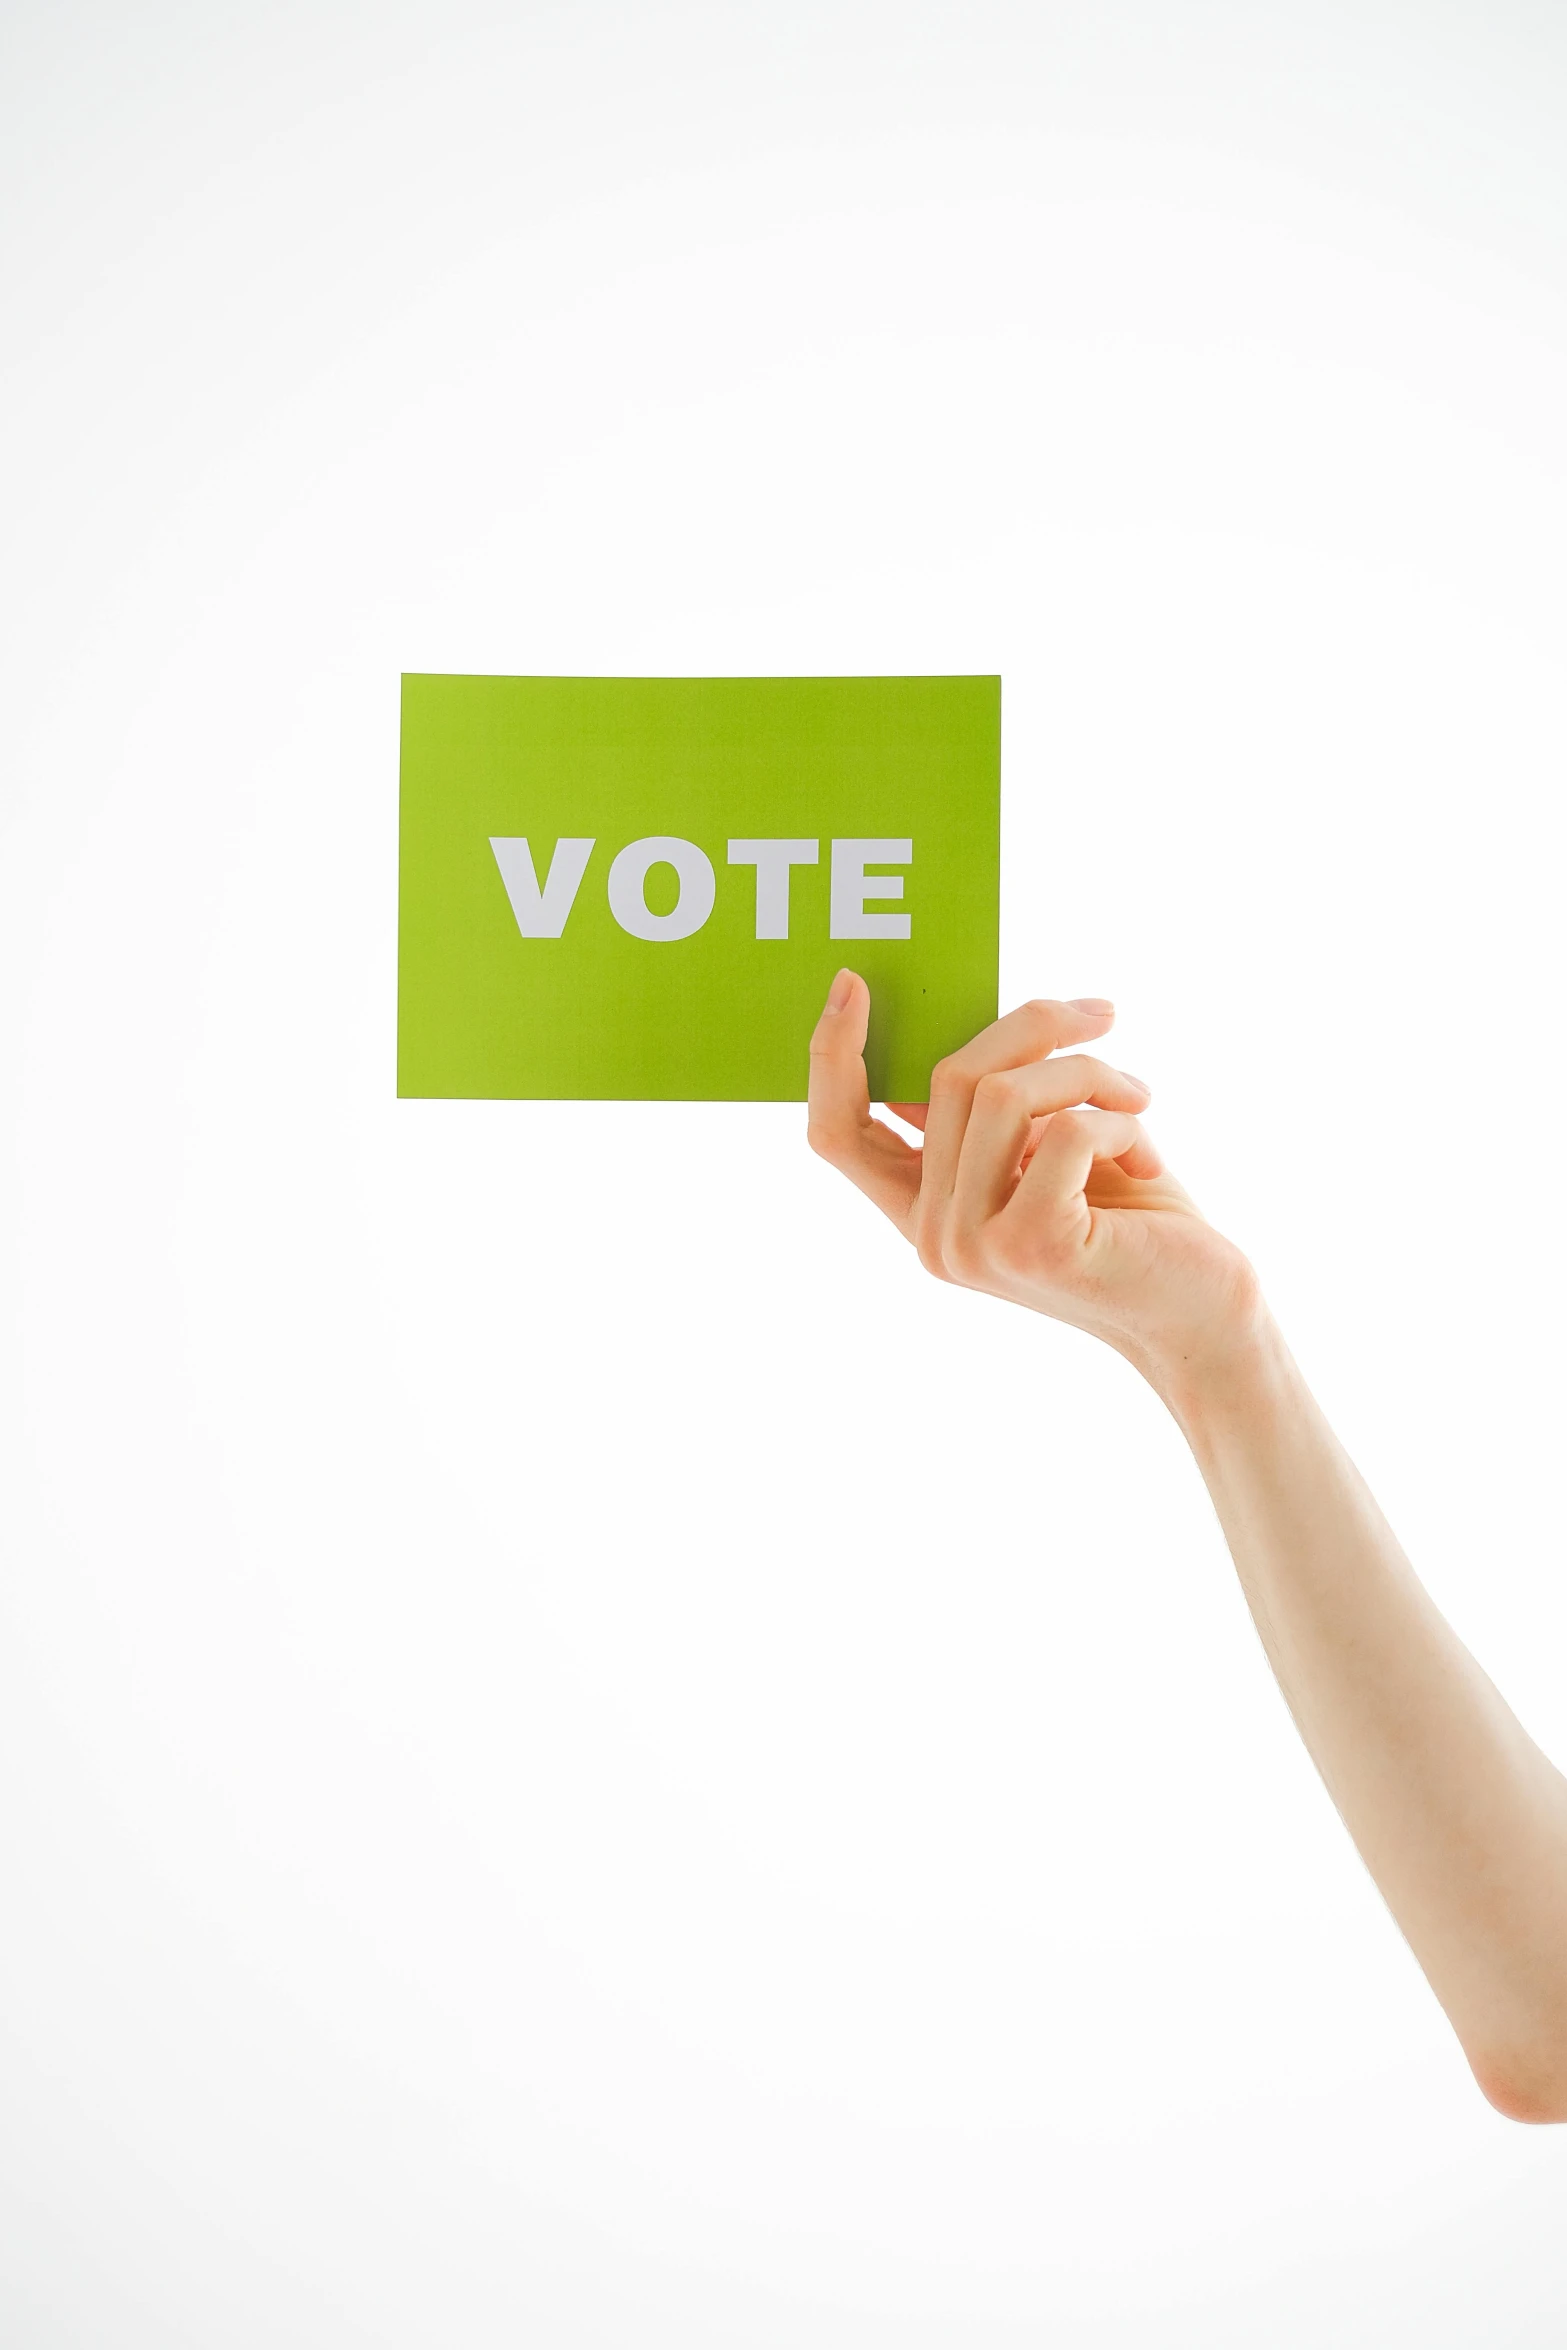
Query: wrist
1232	1378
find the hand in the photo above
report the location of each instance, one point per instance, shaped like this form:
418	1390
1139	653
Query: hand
1037	1183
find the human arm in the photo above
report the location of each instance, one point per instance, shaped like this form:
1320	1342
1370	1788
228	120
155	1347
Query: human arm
1038	1184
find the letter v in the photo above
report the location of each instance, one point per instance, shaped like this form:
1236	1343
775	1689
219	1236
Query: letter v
541	913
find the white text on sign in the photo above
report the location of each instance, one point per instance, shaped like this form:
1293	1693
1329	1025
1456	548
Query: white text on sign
542	910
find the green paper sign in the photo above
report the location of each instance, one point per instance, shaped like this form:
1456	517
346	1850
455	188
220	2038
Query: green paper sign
628	888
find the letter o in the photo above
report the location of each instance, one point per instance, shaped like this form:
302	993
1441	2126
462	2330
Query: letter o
628	888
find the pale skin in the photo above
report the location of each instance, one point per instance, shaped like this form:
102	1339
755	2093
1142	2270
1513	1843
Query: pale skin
1037	1183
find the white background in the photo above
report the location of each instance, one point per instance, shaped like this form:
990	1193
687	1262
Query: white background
588	1758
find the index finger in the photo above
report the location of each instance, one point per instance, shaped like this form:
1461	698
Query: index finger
1094	1008
1030	1033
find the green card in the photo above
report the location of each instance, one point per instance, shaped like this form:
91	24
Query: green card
633	888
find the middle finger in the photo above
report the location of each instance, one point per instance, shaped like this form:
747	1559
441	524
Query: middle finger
1028	1034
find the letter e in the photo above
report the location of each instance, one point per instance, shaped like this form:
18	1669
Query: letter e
852	885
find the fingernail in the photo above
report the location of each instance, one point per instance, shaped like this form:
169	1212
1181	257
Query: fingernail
1092	1003
840	991
1142	1082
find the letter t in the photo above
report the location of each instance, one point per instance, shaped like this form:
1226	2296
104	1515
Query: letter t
772	859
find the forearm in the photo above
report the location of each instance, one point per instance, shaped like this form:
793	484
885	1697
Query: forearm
1037	1183
1459	1817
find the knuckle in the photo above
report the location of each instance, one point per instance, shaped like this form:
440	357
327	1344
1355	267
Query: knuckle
946	1079
823	1139
965	1259
927	1247
1000	1089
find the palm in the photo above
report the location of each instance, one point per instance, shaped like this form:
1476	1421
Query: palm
1163	1270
